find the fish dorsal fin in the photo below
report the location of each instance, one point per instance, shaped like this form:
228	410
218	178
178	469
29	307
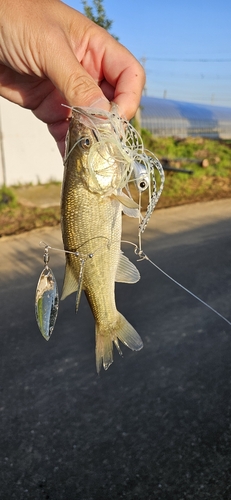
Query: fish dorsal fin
126	271
125	200
70	284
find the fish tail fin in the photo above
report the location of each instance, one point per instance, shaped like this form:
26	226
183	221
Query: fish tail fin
120	330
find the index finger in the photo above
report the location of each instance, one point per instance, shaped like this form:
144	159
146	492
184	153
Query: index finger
127	77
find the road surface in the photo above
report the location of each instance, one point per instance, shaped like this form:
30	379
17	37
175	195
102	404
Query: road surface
157	424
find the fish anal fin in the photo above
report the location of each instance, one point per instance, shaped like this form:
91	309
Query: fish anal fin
120	330
126	272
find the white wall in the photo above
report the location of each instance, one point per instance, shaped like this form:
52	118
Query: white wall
30	152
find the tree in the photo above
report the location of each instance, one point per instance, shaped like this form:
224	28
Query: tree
99	16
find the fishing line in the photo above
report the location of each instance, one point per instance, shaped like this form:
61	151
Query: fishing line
77	253
143	256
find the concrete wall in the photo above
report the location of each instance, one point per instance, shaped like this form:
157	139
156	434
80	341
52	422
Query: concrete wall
27	150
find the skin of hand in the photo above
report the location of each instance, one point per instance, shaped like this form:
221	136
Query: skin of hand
51	54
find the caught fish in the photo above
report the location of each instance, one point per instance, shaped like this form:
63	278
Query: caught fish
91	219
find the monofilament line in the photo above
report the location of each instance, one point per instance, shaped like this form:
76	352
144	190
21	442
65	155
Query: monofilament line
143	256
186	290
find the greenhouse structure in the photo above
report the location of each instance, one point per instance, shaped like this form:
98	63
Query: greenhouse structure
165	118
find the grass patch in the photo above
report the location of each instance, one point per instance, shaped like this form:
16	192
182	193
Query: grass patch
7	198
22	218
23	208
210	163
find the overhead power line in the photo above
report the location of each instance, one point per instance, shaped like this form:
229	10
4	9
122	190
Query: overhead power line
175	59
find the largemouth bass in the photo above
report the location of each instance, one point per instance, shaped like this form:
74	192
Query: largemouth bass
91	220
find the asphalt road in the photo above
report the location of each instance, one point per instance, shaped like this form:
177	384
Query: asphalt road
157	424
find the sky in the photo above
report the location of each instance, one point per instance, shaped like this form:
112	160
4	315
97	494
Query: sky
184	46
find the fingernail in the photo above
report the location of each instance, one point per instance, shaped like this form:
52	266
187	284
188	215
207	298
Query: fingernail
101	103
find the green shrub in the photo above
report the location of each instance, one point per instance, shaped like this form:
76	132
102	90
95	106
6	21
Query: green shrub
7	198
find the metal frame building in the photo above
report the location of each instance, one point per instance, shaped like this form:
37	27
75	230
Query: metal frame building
28	153
164	118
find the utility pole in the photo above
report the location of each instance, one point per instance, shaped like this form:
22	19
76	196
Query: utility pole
143	62
2	155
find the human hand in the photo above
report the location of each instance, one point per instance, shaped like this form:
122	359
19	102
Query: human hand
51	54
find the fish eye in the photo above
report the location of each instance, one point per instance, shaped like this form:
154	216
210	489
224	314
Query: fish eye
85	143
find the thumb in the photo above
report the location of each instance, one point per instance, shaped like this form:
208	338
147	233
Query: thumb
74	82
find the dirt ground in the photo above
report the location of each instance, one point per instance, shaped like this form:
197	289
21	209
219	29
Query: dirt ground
39	206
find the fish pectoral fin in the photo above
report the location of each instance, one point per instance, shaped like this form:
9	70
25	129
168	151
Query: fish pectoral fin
70	283
131	212
126	272
125	200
